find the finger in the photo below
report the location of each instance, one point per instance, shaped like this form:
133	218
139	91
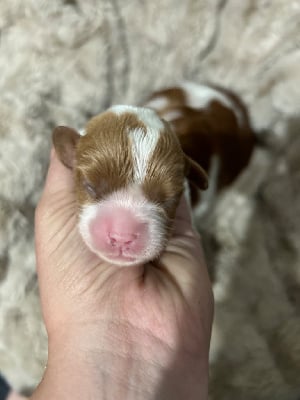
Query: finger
59	178
183	219
184	256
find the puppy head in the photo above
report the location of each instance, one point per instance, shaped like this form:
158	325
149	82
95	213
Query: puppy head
129	174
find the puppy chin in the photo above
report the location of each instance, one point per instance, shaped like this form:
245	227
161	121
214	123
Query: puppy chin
124	260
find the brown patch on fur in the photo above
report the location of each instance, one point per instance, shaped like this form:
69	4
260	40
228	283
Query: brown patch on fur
103	161
210	131
175	97
213	130
164	179
104	158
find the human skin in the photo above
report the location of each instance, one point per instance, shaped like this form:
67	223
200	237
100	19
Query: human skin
133	333
15	396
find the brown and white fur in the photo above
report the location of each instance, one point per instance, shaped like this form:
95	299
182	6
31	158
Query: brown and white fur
131	162
129	171
213	127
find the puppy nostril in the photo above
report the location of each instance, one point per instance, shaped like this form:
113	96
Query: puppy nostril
122	239
113	241
131	239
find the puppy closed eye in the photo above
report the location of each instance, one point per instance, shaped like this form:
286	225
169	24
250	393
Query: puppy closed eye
96	191
168	204
165	201
171	202
90	189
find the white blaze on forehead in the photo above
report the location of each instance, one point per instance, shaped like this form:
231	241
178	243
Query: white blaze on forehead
200	96
143	143
121	109
145	115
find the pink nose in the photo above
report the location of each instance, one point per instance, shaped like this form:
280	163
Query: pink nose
122	239
118	230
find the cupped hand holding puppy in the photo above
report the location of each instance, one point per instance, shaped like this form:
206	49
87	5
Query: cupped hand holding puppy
138	332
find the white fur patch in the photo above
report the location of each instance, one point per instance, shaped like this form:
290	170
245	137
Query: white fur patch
143	145
171	115
158	103
150	119
200	96
122	109
131	199
146	115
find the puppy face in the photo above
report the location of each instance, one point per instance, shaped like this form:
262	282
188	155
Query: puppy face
129	172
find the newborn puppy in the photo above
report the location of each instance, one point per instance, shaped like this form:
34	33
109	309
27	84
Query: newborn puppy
129	171
213	127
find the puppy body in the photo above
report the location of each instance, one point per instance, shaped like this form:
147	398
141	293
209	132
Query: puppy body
129	171
213	127
131	163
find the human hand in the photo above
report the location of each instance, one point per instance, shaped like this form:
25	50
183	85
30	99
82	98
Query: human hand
15	396
139	332
7	393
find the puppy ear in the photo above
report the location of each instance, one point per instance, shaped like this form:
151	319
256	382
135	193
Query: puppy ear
196	174
65	140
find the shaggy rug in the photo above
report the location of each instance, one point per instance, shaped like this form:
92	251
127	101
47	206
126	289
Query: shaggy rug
62	61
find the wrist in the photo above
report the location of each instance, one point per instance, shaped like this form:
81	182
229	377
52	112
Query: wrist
118	367
92	365
97	374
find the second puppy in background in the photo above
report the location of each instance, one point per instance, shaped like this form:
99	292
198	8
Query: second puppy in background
214	129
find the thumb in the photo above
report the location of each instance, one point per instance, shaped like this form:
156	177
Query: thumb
59	178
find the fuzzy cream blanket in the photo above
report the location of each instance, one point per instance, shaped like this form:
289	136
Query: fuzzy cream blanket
62	61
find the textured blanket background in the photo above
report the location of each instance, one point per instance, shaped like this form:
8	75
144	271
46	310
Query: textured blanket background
63	61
